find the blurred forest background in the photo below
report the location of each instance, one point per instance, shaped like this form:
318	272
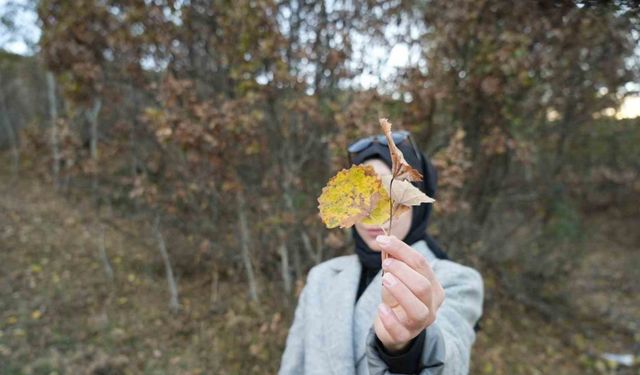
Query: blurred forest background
160	162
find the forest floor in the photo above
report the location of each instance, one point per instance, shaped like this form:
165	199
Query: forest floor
63	312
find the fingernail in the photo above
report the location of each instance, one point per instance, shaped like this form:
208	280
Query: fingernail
387	262
384	309
383	240
388	279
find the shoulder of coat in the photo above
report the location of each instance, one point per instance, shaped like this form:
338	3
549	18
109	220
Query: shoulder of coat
449	271
333	265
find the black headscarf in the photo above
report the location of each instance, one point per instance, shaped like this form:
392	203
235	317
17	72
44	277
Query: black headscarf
420	214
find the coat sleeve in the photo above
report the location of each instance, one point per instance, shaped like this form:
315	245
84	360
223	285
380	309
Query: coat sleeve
447	347
431	360
293	357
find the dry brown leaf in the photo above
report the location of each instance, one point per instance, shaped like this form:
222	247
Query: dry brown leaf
400	169
398	209
404	193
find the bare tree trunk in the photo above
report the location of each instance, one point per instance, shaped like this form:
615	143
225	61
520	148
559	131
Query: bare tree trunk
136	166
306	242
92	116
53	113
288	203
319	246
284	262
297	265
174	305
13	139
245	245
215	287
286	274
104	257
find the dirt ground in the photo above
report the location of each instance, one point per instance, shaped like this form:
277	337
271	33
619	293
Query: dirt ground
63	312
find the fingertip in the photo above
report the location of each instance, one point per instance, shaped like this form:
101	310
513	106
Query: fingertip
387	263
383	240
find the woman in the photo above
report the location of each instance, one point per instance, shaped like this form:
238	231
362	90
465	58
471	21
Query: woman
416	319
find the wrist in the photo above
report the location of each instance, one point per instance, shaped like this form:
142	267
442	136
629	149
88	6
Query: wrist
395	348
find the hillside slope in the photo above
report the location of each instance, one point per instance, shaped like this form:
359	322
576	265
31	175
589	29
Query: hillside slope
63	312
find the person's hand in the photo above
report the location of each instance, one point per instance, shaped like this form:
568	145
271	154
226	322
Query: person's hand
411	295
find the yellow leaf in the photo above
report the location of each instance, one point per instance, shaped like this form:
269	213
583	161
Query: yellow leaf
351	196
380	213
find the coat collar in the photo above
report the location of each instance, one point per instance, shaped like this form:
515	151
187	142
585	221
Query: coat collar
346	323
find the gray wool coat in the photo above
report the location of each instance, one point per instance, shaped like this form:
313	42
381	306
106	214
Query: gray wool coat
332	334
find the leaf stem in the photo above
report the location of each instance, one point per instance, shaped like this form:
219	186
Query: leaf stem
384	254
391	203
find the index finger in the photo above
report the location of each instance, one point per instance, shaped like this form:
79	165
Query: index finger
400	250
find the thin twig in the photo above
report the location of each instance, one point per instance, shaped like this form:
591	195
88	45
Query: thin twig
384	253
391	203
